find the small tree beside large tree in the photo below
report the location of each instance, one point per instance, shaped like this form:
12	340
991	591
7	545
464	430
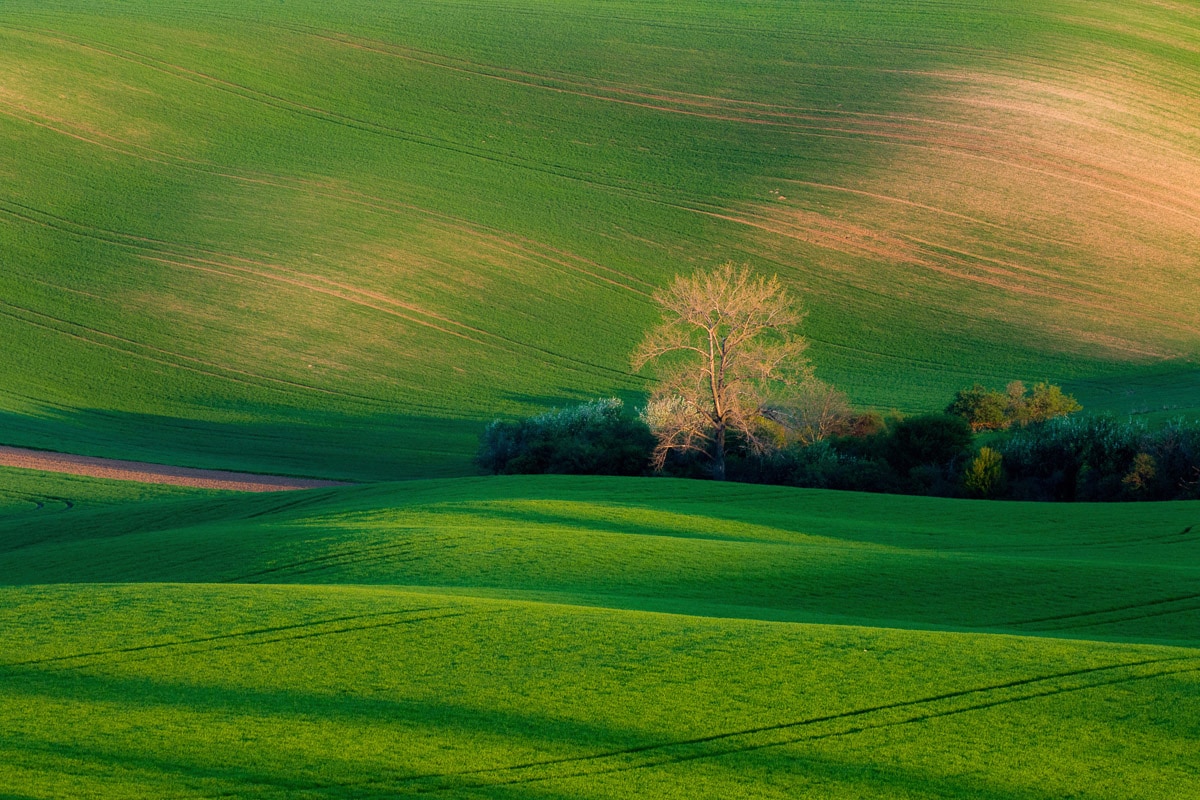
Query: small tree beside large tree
728	357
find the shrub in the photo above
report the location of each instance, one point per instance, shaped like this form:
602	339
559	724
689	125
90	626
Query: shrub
808	466
1043	462
983	409
1047	402
985	474
1072	458
817	467
595	438
814	412
988	410
866	475
1140	478
930	440
1176	453
822	465
1059	458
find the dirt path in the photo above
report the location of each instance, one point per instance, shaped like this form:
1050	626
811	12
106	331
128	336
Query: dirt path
153	473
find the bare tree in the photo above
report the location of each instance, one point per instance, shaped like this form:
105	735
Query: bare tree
726	354
815	411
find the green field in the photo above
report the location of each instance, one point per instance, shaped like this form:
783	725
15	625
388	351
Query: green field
332	239
535	637
339	692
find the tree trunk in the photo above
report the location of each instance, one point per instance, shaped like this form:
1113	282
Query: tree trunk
719	454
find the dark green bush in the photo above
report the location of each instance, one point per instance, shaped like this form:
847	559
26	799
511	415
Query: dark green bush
1176	453
822	465
596	438
936	440
1044	462
1062	458
1073	458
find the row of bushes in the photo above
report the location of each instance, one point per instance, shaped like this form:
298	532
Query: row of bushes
596	438
1101	458
1063	458
1084	458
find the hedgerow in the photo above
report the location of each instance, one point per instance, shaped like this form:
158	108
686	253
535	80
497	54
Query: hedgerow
596	438
1063	458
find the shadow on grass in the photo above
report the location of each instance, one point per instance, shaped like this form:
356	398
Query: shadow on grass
531	754
317	444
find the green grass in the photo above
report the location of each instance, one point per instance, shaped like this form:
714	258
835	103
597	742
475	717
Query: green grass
33	498
1124	571
568	637
376	692
335	239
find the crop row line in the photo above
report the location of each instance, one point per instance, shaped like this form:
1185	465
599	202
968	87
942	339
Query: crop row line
1110	610
783	734
221	640
176	255
529	249
318	563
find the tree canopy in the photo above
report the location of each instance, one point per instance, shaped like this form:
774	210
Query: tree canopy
987	409
727	356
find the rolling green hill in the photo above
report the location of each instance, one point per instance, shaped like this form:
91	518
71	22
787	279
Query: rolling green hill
1095	570
331	239
535	637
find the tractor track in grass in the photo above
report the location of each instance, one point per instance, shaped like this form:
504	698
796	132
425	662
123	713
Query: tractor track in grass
176	255
269	273
24	497
642	96
144	472
1187	535
964	139
204	639
331	560
659	755
283	104
501	239
1082	615
299	630
901	132
308	499
910	720
954	263
96	337
1117	621
905	127
902	128
526	248
727	743
40	501
248	642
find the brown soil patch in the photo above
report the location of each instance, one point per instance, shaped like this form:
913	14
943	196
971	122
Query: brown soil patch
154	473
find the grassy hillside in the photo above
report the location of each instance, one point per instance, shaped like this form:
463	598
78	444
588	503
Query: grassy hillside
532	637
314	692
332	238
1098	571
30	500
